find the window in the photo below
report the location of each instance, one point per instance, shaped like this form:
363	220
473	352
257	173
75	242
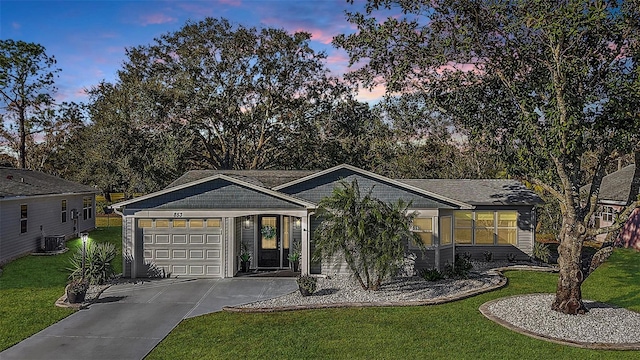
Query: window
64	211
507	227
607	213
463	227
179	223
196	223
213	223
162	223
424	228
486	227
445	230
23	218
87	208
145	223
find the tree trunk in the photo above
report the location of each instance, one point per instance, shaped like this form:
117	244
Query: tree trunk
568	298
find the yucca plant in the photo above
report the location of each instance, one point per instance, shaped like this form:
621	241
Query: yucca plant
98	263
541	252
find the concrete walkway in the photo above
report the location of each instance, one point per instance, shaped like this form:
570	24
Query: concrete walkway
129	320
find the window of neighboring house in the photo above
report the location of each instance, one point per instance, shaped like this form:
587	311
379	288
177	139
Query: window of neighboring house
607	213
445	230
23	218
424	228
484	227
463	227
64	211
87	208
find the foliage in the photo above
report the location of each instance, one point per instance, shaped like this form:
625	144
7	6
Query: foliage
431	274
460	268
294	256
98	263
26	86
30	285
511	257
78	286
268	232
488	256
307	282
368	233
245	255
541	252
544	85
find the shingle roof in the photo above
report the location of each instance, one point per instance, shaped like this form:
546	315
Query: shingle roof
616	186
265	178
20	182
479	191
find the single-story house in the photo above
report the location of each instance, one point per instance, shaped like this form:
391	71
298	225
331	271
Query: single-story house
613	196
197	225
35	205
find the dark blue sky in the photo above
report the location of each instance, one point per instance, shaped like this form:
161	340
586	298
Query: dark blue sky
88	38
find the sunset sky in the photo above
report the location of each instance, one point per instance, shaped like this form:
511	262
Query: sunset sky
88	38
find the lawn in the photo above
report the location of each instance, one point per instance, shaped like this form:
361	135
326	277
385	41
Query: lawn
453	330
30	286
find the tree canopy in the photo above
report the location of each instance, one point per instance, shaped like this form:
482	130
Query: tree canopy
543	82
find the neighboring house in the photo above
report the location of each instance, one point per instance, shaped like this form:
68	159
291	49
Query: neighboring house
614	193
195	226
34	205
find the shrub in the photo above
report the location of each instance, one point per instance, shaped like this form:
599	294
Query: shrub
488	256
98	263
78	286
511	257
460	269
307	284
541	252
431	274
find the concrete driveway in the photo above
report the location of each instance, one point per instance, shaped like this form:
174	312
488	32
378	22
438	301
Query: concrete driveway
129	320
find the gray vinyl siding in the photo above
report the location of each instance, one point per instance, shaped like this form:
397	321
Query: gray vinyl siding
127	247
317	188
44	218
215	194
499	252
526	230
425	259
248	237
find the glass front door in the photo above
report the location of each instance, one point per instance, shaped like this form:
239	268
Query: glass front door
269	255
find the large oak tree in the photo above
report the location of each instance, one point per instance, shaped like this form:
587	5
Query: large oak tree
545	82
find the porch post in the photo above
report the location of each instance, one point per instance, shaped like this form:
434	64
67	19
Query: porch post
305	259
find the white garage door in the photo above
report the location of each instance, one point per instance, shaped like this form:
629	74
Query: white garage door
184	247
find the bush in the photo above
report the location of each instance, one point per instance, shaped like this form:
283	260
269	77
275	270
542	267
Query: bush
307	284
431	274
541	252
488	256
460	269
98	263
511	257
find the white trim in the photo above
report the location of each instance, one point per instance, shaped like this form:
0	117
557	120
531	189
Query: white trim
378	177
263	190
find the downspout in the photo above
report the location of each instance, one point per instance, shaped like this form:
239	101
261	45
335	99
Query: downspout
133	248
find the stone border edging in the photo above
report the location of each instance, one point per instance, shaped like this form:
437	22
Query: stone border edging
484	309
437	301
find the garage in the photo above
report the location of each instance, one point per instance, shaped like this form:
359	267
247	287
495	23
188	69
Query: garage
184	247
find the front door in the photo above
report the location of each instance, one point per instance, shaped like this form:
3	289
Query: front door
269	241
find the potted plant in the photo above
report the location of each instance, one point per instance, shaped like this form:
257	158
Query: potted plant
294	257
77	290
245	257
306	284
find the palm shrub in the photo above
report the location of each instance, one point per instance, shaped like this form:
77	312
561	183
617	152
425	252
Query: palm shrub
370	234
541	252
98	263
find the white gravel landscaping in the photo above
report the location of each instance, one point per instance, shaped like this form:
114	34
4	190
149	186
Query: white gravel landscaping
603	324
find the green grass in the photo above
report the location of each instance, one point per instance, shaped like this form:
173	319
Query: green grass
454	330
30	286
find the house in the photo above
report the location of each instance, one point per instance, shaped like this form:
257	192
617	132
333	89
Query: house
34	206
613	196
195	227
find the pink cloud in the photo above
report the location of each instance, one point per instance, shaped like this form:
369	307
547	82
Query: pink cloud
156	19
16	25
374	95
80	93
